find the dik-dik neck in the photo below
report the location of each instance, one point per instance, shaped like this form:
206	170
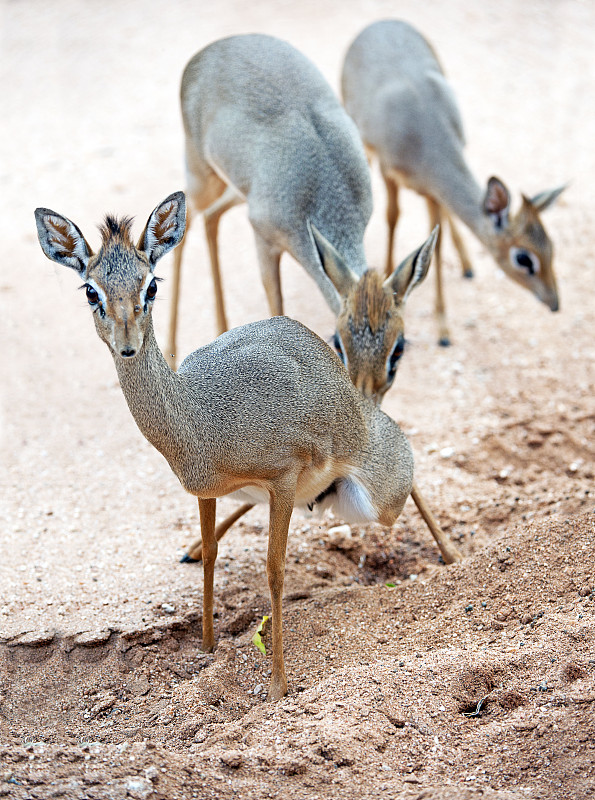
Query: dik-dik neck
156	397
456	189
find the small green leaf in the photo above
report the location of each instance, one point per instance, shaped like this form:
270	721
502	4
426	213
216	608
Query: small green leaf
256	639
390	585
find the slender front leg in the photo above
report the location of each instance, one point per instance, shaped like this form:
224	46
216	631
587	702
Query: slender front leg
195	550
392	217
435	219
170	353
459	244
280	514
206	510
269	259
449	552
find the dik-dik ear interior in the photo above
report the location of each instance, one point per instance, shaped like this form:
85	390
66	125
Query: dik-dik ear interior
165	227
412	271
342	278
62	241
496	203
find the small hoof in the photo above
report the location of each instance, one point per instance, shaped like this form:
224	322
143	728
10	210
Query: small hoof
274	697
468	273
444	341
186	559
277	692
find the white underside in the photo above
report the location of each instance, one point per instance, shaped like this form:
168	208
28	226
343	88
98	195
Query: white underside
250	494
351	502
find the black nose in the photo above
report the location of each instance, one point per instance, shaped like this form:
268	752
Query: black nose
128	353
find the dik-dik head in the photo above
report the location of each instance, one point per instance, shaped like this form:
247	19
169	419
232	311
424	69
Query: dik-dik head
118	280
520	244
370	330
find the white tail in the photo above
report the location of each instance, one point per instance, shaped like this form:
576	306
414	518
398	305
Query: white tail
265	410
263	126
395	91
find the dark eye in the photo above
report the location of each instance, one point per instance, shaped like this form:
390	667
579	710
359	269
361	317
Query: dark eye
151	290
339	348
395	356
524	260
92	296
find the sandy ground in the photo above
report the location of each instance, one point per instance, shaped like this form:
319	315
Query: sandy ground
104	692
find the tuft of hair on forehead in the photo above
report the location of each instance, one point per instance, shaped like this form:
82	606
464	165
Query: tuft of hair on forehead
116	231
370	304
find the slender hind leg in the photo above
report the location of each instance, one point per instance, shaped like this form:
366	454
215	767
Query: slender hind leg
459	244
212	215
195	550
439	309
392	218
280	515
206	510
205	190
449	552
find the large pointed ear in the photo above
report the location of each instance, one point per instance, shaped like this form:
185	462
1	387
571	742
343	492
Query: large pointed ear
412	271
545	199
496	203
342	278
165	228
62	241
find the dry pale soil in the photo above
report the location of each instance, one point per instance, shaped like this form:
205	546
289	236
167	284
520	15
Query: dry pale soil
407	679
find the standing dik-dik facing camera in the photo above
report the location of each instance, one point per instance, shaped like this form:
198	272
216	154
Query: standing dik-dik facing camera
264	413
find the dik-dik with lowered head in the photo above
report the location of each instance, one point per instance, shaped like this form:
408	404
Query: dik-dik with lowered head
394	89
266	412
263	126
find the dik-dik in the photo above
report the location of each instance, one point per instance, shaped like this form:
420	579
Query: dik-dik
263	126
266	412
394	89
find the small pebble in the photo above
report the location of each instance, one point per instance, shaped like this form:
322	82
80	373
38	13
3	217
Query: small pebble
139	788
340	530
104	704
232	758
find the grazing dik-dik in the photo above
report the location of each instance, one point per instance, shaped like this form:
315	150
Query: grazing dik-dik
263	126
266	412
394	89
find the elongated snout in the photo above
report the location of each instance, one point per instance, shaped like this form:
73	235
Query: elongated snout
371	388
553	303
127	336
548	296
